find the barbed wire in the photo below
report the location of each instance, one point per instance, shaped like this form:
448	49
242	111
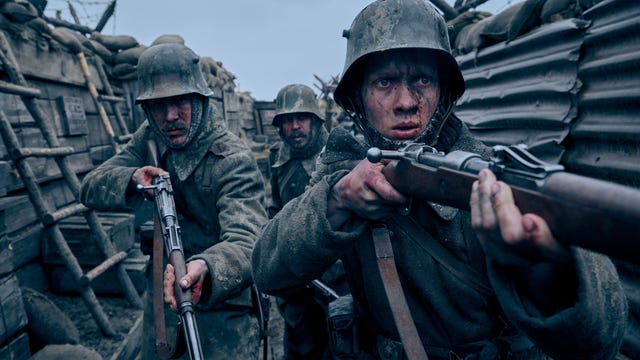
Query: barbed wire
88	12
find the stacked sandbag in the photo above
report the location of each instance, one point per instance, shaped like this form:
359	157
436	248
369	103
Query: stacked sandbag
461	22
16	14
469	35
217	77
125	51
472	30
48	325
557	10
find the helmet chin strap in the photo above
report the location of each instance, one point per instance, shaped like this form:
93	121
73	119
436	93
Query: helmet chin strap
428	136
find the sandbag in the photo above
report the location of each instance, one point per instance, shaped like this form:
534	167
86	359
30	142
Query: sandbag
97	48
470	37
497	26
115	42
527	18
68	38
40	26
124	71
168	39
66	352
19	11
555	10
466	18
47	323
129	56
10	26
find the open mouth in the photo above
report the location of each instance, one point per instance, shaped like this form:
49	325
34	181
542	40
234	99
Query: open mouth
405	131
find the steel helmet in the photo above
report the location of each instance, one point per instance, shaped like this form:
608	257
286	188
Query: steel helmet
398	24
296	98
170	69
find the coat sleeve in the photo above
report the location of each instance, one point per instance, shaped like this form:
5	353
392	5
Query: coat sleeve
591	328
298	245
241	214
107	187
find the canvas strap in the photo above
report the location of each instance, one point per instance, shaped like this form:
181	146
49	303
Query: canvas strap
162	347
397	302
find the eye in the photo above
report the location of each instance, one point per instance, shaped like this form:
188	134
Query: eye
382	82
156	107
424	80
183	101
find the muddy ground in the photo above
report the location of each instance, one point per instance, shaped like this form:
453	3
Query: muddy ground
124	318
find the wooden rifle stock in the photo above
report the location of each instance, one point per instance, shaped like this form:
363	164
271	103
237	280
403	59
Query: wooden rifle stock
168	218
167	234
594	214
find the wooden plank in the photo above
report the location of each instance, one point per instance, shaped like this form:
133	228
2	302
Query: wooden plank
82	241
19	248
16	349
12	312
16	212
73	115
132	343
5	168
33	276
106	284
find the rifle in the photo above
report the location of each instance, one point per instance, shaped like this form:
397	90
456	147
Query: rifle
594	214
166	212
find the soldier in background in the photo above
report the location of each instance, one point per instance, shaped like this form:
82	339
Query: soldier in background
292	161
218	193
303	135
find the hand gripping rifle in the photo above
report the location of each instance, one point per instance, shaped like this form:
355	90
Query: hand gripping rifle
598	215
166	212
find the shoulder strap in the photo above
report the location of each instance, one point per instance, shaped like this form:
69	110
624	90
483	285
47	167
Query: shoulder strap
431	246
397	302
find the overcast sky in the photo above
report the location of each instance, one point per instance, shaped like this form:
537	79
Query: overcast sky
266	44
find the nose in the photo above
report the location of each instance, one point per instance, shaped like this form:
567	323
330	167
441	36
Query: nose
406	98
171	112
295	124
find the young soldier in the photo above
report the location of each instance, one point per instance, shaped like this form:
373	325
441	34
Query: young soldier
503	287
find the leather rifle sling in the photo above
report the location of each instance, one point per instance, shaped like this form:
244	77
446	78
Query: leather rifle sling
397	302
162	347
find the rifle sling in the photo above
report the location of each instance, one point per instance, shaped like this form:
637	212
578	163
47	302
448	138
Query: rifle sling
161	346
441	255
397	302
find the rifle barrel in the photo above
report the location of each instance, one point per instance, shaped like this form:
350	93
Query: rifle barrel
595	214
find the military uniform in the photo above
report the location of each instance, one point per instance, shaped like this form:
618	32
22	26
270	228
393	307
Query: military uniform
218	191
488	319
304	312
290	175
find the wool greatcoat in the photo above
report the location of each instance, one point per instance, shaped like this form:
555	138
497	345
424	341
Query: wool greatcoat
218	192
491	318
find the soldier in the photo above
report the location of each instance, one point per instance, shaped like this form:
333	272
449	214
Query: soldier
293	159
491	283
303	135
218	191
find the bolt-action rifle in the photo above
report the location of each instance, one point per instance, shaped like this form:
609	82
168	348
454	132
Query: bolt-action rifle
166	211
595	214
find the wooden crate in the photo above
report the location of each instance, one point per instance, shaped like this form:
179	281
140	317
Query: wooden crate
16	212
83	243
19	248
13	316
16	349
135	265
5	169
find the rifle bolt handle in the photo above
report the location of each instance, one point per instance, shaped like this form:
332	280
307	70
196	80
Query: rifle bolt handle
374	155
